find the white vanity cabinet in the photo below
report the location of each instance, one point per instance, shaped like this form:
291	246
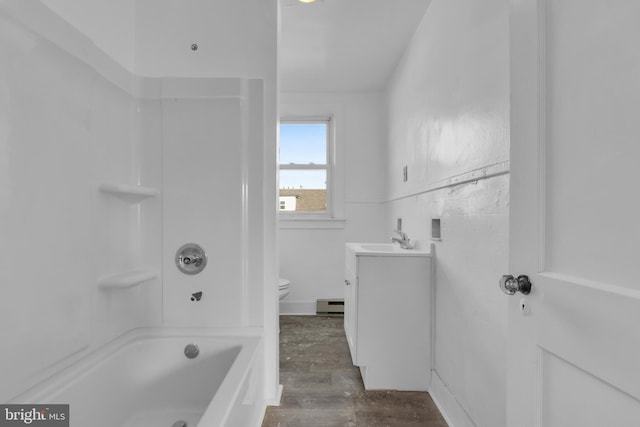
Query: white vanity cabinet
350	318
387	315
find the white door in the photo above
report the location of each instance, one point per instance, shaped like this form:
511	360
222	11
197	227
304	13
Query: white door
574	342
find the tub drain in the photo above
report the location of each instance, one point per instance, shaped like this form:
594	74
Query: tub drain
180	424
191	351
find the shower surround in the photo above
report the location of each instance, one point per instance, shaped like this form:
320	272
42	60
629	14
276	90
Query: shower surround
103	176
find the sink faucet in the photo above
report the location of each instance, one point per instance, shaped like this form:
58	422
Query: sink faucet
403	239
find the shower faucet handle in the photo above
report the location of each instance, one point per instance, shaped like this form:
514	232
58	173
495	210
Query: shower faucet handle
191	258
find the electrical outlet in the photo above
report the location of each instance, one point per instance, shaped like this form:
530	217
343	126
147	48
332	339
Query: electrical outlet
405	173
399	224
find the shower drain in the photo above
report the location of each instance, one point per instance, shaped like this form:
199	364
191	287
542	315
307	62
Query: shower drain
180	424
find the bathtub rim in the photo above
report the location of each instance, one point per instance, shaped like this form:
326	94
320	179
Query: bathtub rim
248	338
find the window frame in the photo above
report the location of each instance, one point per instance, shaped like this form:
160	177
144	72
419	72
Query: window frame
328	166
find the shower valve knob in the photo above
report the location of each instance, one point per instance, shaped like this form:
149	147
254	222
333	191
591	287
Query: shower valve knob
191	258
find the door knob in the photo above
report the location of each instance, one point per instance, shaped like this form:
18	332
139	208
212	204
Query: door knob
510	285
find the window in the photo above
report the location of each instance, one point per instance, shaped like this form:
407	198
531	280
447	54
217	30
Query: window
304	167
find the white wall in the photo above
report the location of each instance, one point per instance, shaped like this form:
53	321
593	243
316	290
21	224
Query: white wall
312	255
109	24
65	129
448	122
232	38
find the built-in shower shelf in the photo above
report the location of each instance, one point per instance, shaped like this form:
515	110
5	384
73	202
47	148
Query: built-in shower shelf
126	279
130	193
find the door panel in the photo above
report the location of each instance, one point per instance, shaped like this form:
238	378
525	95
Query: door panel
592	149
590	324
574	344
598	404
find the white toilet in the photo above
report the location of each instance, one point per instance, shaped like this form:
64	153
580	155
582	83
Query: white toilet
283	287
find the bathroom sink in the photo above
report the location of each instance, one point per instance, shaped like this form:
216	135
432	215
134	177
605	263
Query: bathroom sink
385	249
381	247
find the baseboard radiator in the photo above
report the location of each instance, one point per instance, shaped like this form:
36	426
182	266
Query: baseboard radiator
330	307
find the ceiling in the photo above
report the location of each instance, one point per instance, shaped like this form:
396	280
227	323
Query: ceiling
344	45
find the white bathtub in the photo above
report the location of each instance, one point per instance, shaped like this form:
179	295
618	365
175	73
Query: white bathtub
144	379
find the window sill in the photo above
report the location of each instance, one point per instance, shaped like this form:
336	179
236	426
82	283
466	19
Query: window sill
311	223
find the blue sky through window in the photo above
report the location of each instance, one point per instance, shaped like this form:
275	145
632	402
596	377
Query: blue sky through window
303	143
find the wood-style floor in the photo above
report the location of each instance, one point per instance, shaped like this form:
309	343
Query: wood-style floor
323	389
